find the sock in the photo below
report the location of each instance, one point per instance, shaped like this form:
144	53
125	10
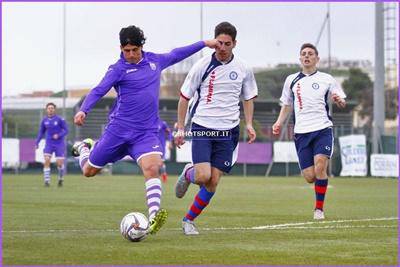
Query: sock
153	195
189	175
84	153
201	201
46	175
60	173
320	187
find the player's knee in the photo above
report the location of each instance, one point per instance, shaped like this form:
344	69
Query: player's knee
152	170
89	172
203	176
320	170
309	177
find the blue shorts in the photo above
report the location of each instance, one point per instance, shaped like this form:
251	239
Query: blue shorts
57	148
116	143
219	151
315	143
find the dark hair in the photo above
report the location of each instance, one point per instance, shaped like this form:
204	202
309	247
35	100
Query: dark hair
309	45
225	28
51	104
131	35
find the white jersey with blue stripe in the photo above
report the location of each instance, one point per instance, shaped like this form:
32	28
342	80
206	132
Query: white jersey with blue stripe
215	89
309	95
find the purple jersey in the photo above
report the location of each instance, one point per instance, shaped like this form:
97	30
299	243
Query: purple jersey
137	87
51	126
164	131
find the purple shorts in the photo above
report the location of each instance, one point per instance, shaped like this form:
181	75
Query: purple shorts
58	149
113	146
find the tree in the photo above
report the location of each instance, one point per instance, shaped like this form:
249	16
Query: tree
358	87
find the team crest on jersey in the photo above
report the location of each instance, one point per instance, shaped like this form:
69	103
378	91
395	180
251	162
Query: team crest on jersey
152	66
56	122
233	75
315	86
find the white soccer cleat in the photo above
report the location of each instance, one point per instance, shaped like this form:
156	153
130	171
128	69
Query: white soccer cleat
189	228
319	214
182	184
88	142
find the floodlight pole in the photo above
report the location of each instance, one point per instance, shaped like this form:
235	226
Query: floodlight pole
379	82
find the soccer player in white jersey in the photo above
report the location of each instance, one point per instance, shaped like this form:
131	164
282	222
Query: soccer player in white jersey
307	93
217	83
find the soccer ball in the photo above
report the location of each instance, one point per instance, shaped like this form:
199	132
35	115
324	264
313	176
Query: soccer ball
134	226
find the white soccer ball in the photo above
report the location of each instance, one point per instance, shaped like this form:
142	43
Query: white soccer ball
134	226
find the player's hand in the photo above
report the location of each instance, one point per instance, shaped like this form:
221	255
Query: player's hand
213	43
276	128
340	102
79	118
179	137
251	133
55	136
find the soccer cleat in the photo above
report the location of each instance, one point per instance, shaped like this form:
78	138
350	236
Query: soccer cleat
158	221
60	183
319	214
182	184
46	184
88	142
189	228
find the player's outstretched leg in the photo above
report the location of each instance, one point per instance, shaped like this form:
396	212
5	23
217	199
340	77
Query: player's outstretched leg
184	180
82	150
201	201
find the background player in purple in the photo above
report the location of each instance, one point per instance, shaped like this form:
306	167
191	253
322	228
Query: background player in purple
133	121
55	129
164	133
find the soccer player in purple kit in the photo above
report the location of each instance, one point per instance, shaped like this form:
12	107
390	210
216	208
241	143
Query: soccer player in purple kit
133	121
56	129
163	131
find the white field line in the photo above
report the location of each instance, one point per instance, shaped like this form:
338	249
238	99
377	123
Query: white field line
300	225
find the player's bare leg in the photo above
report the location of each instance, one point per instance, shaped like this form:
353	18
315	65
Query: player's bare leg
61	170
150	165
321	184
46	170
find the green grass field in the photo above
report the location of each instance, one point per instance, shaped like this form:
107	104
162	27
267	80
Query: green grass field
250	221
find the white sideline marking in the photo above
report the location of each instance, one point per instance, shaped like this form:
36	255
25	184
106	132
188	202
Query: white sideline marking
301	225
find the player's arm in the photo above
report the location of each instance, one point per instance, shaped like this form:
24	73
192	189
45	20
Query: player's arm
110	79
41	132
283	114
180	53
248	109
64	129
183	104
337	94
287	103
249	93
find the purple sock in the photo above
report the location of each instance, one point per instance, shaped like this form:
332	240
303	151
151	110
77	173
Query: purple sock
189	175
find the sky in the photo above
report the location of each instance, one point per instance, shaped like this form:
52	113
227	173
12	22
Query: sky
268	33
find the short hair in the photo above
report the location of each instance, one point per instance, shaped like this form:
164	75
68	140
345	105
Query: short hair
132	35
309	45
51	104
225	28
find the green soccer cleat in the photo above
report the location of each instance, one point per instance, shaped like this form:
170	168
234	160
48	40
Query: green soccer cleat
88	142
158	221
